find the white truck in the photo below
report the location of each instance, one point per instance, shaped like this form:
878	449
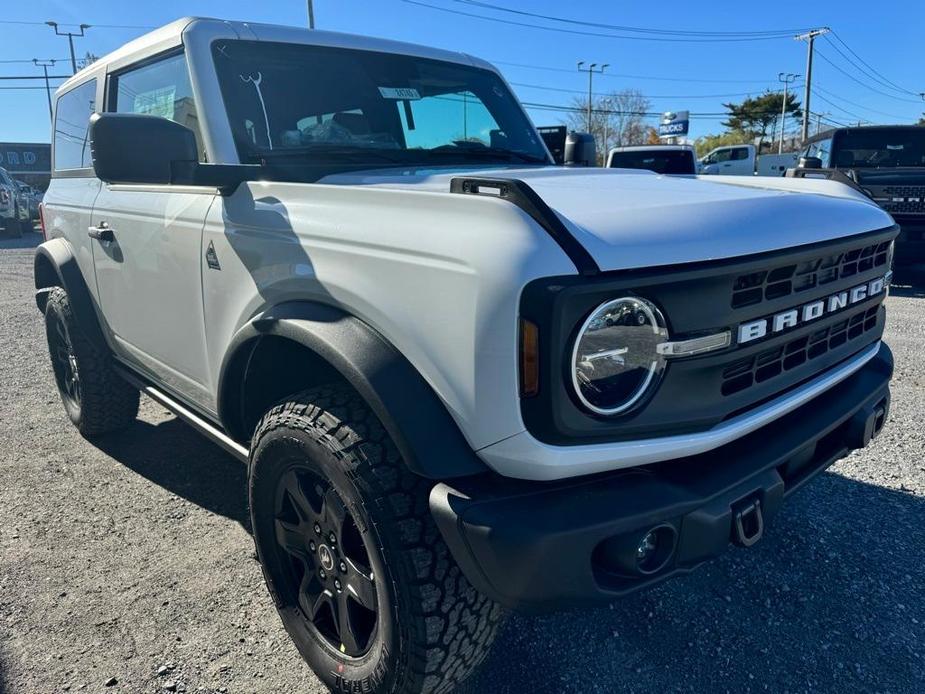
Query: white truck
462	379
744	160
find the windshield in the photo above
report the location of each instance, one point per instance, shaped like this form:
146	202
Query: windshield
880	148
670	162
314	104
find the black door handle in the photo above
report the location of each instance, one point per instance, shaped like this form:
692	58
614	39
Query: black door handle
102	233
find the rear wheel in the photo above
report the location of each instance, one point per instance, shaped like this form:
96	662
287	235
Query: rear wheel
364	583
95	398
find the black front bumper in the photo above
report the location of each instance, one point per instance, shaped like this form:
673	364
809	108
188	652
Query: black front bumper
537	546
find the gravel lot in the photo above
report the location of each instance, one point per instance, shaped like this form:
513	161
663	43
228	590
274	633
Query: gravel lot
132	555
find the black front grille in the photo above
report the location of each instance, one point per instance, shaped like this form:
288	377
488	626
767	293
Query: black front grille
771	363
698	392
901	199
784	280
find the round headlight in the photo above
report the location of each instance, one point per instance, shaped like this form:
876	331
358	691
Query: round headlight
616	361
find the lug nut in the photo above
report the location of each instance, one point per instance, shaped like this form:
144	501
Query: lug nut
332	538
311	545
322	574
337	583
342	566
317	529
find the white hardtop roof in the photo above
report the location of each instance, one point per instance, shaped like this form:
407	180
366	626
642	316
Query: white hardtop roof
653	148
189	29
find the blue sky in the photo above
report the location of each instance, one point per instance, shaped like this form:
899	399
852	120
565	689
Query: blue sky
674	75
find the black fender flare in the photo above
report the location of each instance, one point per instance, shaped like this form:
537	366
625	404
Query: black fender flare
425	434
56	266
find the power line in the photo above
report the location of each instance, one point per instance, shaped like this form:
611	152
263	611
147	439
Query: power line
95	26
627	76
648	96
562	30
864	84
874	70
28	60
34	77
777	33
861	70
861	106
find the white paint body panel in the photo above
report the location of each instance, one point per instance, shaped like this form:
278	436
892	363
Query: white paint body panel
523	456
438	275
630	218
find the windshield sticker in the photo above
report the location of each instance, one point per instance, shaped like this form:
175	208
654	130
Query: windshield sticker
401	93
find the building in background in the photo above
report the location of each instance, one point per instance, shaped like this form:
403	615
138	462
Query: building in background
29	162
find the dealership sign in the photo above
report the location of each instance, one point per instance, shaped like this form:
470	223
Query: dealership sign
25	158
674	124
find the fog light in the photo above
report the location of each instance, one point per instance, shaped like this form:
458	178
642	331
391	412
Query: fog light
647	548
655	549
639	553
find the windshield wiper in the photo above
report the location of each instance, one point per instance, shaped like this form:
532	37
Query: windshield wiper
328	150
482	152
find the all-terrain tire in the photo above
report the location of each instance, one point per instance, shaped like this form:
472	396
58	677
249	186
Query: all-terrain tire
102	401
433	628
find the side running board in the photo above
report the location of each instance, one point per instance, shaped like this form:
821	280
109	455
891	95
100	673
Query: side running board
203	426
516	192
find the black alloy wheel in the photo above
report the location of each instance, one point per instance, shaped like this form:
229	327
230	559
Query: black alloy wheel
336	589
64	362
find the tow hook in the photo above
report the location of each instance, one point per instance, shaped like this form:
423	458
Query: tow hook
749	524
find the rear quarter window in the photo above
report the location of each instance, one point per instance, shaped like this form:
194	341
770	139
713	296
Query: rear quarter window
72	125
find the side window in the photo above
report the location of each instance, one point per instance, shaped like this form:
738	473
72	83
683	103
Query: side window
159	89
72	125
740	153
823	151
721	155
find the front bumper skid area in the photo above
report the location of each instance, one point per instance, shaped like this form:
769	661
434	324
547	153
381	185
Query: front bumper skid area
536	546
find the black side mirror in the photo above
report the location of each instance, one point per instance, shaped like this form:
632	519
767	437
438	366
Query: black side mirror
137	148
580	150
810	163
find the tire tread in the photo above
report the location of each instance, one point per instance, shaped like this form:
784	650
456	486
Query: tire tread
452	626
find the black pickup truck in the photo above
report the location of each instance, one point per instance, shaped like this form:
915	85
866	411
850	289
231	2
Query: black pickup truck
886	162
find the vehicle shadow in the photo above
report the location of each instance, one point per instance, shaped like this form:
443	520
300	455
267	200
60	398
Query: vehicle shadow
833	598
174	456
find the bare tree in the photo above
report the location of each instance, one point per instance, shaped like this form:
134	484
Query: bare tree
617	119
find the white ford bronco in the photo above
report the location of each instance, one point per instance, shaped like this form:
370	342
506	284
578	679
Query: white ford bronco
462	379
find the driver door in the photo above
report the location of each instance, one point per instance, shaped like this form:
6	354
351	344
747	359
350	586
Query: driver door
147	247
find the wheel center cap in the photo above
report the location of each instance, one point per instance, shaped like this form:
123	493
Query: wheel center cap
326	557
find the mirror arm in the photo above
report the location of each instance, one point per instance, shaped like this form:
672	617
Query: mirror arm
225	177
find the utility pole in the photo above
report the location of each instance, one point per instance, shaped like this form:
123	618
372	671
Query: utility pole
311	14
70	39
45	64
819	117
809	37
591	69
607	104
786	78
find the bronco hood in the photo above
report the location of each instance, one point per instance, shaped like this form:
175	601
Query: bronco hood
630	219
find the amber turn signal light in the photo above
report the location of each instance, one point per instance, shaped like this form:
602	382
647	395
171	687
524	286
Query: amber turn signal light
529	359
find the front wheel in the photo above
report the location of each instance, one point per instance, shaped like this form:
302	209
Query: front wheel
362	580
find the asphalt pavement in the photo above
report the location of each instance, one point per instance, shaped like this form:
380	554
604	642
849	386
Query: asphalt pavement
126	565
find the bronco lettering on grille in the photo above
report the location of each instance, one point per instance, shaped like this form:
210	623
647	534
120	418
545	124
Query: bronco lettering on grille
756	329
